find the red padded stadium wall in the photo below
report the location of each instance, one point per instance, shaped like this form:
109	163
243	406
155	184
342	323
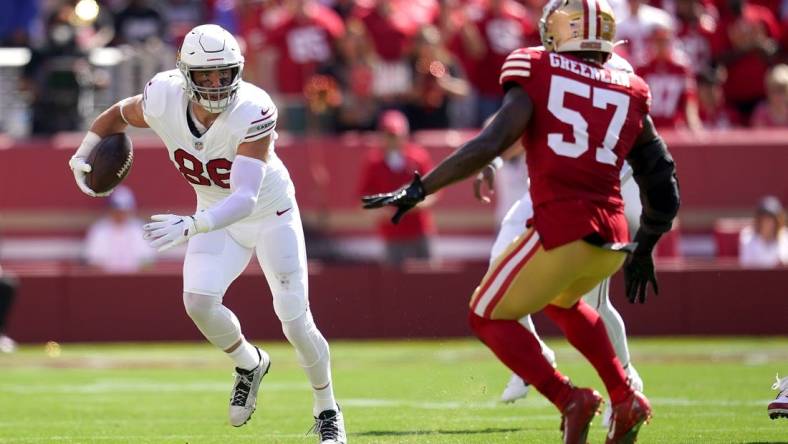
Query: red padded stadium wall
367	301
721	174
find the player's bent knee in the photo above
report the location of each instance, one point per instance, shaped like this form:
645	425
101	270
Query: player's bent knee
216	322
290	299
200	307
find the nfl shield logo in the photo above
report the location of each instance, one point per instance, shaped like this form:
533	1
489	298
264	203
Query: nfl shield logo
198	146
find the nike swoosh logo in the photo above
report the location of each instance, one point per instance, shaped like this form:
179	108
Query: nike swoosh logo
279	213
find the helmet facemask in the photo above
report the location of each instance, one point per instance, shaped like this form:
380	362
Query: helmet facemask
213	99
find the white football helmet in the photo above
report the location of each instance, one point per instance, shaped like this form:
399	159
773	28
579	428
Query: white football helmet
211	48
578	25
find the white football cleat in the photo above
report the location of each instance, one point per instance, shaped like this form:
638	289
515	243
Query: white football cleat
779	407
330	427
515	389
7	345
635	381
243	399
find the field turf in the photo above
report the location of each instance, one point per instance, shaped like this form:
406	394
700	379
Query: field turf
703	391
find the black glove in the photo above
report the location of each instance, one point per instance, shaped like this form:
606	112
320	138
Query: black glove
638	272
404	198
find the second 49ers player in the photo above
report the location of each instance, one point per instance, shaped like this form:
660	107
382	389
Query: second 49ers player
579	121
219	131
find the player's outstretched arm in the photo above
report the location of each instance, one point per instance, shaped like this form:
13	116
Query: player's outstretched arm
246	181
506	128
655	173
114	120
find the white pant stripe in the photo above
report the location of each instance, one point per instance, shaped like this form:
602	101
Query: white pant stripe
492	290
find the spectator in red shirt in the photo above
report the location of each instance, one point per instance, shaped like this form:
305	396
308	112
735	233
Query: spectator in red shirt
713	111
388	167
390	30
773	112
304	40
748	35
695	32
493	29
389	26
672	84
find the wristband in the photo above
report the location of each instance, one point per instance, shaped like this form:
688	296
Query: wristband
203	222
497	163
90	140
120	108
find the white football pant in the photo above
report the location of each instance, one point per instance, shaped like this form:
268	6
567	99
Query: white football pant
215	259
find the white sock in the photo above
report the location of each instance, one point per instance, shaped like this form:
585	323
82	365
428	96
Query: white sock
245	356
323	399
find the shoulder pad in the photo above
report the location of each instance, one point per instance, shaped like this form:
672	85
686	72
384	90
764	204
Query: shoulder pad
517	66
256	114
618	62
157	90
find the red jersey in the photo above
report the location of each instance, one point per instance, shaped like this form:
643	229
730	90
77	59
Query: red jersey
745	74
697	40
502	33
584	121
303	44
391	35
722	117
672	86
378	177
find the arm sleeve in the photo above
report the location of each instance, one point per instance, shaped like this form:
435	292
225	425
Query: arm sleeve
246	181
655	174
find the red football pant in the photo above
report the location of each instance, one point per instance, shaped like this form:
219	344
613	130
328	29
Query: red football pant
519	350
585	330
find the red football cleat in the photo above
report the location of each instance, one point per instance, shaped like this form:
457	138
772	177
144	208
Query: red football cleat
628	416
576	418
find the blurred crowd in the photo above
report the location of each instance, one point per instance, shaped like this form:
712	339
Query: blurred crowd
336	65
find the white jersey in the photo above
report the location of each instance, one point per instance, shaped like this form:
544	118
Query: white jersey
205	161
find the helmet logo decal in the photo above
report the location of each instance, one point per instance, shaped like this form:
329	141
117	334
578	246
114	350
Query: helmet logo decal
210	50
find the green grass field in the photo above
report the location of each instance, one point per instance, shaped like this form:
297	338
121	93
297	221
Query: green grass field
702	390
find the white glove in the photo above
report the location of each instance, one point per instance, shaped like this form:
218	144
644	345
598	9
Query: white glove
169	230
80	168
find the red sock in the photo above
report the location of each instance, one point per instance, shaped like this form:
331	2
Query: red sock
584	329
519	350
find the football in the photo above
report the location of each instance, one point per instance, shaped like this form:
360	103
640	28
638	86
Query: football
111	161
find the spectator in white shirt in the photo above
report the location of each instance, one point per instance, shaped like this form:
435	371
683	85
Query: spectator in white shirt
114	243
636	28
765	244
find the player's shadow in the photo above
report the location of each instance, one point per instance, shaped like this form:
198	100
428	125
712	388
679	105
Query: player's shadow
436	432
766	442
